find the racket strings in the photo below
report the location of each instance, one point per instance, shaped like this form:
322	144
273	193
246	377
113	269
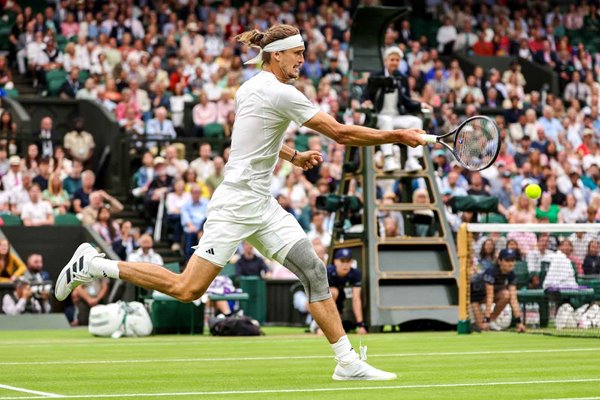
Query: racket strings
477	143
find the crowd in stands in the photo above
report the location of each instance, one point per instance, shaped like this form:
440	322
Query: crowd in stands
143	64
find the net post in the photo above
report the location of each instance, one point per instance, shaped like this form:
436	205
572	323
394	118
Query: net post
464	258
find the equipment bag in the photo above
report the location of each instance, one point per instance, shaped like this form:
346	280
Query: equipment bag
120	319
234	326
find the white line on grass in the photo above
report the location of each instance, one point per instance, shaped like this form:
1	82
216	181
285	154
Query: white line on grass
329	389
575	398
275	358
18	389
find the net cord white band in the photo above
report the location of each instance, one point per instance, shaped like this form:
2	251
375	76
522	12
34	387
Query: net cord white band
533	227
279	45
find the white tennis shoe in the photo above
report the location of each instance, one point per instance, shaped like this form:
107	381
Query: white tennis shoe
359	370
77	271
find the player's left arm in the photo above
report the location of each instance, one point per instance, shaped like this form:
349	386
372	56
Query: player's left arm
514	304
305	159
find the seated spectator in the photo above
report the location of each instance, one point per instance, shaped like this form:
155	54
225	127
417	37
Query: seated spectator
160	126
177	104
216	178
318	230
571	212
522	212
43	174
56	195
145	253
30	163
175	167
219	286
225	105
49	59
591	262
71	86
6	79
144	175
11	267
87	296
107	103
548	210
13	180
204	113
203	165
70	27
37	212
193	216
534	257
174	204
423	219
8	133
47	138
127	102
88	91
487	255
106	227
160	185
251	264
72	183
22	300
560	273
20	195
158	98
390	228
81	197
79	144
99	200
127	241
59	164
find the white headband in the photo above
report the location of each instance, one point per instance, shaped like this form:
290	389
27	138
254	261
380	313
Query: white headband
279	45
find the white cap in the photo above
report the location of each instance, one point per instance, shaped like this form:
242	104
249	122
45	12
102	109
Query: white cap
392	50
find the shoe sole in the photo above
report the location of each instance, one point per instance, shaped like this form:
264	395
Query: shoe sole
346	378
63	273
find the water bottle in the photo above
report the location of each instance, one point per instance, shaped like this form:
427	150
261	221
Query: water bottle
529	316
551	312
535	316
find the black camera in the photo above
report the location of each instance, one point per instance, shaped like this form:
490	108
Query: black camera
335	202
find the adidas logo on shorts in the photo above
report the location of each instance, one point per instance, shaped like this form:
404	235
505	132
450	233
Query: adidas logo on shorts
210	251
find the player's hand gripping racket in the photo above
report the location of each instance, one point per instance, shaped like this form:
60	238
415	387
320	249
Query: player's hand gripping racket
476	142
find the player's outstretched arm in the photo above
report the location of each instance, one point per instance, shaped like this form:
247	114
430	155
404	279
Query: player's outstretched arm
356	135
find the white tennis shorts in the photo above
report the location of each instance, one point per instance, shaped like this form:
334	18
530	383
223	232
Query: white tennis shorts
236	213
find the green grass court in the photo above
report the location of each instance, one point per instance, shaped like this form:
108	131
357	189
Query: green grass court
289	364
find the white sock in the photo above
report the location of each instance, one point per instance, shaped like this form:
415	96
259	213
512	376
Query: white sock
343	350
106	268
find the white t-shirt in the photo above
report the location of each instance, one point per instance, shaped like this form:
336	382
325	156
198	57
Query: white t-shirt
264	107
37	212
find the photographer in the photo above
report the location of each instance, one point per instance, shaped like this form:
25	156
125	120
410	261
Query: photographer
39	279
23	300
388	93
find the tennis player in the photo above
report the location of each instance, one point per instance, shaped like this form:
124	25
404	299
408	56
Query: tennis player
242	208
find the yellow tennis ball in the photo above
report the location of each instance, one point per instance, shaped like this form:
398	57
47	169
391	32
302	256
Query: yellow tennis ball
533	191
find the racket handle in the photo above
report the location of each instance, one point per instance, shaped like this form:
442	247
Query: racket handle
430	138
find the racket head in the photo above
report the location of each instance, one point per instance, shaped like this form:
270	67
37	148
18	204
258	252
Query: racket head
476	143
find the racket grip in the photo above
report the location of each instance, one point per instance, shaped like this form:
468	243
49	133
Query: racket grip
429	138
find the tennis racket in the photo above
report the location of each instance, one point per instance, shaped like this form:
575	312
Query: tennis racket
476	142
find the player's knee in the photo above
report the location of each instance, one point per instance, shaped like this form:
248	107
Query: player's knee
303	261
504	295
